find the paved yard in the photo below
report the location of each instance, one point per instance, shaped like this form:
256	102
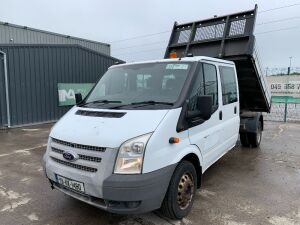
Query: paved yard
247	186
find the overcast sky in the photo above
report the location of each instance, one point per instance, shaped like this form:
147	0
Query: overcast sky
113	20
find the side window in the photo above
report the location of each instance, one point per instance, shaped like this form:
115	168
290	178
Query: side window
206	83
211	83
197	90
229	86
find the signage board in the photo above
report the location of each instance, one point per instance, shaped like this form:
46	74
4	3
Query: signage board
67	91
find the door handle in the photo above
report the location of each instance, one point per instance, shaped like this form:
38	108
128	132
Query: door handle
235	110
220	115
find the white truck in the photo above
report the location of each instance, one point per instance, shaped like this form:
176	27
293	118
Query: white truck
146	133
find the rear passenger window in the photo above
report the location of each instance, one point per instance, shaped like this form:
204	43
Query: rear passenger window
229	87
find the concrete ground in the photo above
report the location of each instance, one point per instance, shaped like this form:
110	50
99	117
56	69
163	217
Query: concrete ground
246	186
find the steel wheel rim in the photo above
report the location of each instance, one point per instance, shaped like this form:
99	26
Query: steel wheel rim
259	134
185	190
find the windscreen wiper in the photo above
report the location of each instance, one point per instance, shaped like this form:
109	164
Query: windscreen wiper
100	101
151	102
143	103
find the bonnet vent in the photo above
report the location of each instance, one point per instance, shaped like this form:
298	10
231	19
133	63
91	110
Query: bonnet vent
100	114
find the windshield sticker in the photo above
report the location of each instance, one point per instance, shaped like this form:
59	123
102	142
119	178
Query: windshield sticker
177	66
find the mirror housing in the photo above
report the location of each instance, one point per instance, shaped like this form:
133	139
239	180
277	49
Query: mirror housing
78	98
204	108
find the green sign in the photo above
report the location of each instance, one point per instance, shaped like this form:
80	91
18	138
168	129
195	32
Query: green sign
67	91
285	99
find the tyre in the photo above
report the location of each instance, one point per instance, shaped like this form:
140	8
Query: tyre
181	191
244	140
255	138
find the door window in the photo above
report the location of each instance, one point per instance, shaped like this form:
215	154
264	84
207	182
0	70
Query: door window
206	83
229	86
211	83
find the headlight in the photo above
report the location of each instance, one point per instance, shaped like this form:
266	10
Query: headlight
131	155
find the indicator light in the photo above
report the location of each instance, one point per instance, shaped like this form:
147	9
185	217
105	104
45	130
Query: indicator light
174	140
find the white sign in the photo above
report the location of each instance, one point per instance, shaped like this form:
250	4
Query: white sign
292	87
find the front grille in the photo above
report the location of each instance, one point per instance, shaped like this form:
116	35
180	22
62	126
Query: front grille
89	158
83	157
73	165
57	150
79	146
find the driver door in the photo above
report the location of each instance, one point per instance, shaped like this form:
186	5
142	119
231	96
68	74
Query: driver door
206	135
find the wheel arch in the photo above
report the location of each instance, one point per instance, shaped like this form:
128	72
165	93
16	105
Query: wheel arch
193	158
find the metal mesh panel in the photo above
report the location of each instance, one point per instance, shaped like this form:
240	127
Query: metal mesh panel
279	113
184	36
209	32
293	112
237	27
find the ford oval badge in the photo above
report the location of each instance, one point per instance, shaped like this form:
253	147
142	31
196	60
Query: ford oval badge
70	156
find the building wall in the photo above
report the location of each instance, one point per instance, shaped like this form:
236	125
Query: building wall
33	74
14	34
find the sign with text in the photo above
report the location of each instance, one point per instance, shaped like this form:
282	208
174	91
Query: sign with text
67	91
290	88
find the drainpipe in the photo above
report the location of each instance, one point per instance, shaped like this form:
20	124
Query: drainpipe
6	89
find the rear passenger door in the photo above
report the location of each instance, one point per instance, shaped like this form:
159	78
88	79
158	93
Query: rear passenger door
230	105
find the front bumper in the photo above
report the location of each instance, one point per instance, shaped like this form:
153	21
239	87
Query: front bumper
127	194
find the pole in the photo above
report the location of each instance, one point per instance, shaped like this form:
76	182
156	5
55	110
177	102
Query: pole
285	109
289	69
6	89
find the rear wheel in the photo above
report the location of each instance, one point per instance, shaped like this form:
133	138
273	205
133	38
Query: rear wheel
244	139
181	192
255	138
252	139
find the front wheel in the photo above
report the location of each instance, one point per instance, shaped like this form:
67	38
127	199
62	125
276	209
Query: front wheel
181	192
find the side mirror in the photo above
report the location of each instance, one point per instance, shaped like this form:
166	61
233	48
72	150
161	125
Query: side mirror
78	98
204	108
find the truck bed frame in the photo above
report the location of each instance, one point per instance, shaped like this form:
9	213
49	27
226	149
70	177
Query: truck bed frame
231	38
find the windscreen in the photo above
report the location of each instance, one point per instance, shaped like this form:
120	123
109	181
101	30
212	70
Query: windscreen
159	82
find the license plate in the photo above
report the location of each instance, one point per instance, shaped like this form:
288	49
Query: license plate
69	183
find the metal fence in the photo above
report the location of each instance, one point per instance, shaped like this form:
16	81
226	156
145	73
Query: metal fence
269	71
284	109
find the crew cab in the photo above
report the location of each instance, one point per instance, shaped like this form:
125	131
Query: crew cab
147	131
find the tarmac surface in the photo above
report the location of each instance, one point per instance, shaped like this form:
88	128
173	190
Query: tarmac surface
246	186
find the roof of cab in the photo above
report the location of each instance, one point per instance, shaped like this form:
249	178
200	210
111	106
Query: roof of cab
185	59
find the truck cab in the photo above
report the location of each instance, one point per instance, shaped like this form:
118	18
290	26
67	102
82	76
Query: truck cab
147	131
